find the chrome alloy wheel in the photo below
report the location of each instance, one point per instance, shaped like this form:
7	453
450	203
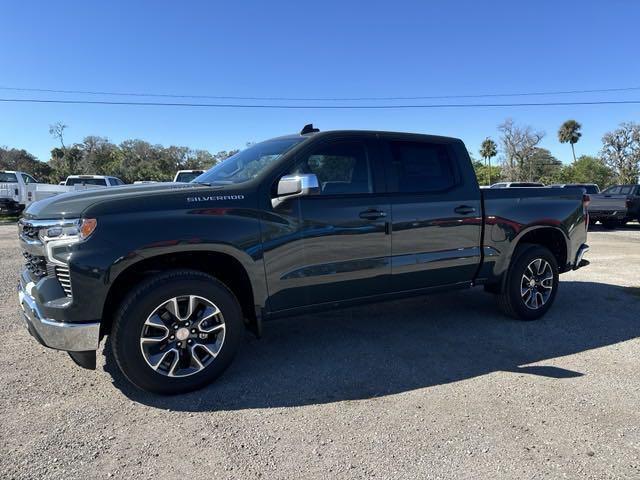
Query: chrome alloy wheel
182	336
537	284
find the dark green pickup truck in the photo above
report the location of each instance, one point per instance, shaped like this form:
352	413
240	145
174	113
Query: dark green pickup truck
176	272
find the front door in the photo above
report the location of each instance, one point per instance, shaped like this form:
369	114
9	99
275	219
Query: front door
334	245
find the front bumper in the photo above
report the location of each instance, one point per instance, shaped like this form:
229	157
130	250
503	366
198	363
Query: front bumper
10	207
71	337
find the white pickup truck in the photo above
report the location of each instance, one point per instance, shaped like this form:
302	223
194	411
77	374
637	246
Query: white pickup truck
19	189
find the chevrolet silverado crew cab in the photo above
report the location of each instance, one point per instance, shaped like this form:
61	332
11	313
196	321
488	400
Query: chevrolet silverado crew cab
174	273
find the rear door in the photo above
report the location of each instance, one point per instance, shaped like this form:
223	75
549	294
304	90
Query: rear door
335	245
436	212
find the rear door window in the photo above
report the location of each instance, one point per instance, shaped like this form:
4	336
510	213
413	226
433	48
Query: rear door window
422	167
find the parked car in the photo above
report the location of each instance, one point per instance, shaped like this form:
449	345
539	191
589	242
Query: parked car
589	188
19	189
93	181
301	222
616	205
185	176
516	184
13	194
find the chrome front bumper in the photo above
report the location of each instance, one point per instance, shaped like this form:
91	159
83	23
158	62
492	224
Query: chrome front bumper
71	337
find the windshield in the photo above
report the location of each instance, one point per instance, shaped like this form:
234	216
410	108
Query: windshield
6	177
86	181
187	176
248	163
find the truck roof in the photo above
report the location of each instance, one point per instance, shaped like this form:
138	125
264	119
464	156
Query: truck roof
330	133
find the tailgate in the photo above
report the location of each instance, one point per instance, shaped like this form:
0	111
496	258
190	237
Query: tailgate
8	190
608	203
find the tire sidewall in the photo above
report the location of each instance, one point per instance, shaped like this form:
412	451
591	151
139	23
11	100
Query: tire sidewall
524	258
145	300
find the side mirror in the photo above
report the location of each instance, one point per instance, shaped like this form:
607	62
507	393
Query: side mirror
293	186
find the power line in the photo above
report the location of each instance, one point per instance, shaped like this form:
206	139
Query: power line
319	99
317	107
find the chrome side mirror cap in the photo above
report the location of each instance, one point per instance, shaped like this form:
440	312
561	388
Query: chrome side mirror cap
294	186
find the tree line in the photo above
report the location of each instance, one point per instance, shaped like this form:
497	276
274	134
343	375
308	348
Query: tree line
130	160
522	159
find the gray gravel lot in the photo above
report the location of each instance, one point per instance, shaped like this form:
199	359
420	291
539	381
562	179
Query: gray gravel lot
434	387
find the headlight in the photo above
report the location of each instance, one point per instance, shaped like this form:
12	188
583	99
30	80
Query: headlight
68	231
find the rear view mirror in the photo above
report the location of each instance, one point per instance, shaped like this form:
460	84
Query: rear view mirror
293	186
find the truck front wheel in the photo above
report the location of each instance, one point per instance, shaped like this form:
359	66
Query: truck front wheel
531	283
176	332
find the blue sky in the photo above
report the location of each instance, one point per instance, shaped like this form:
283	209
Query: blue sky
314	49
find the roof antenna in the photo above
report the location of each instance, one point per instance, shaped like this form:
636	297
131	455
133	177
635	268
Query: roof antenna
309	129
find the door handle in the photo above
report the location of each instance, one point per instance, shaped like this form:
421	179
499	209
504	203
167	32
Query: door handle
372	214
464	210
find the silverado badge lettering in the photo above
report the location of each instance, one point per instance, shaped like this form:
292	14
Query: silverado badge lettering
215	198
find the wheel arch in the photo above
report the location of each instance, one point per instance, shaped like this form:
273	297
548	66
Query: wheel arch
550	237
241	276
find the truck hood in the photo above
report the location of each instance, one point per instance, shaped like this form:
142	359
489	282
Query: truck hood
73	204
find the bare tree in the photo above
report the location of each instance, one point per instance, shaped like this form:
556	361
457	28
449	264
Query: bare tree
621	151
56	130
519	145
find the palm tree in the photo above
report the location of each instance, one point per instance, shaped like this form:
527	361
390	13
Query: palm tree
488	150
570	133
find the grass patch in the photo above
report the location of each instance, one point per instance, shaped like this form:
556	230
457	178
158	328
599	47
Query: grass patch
4	219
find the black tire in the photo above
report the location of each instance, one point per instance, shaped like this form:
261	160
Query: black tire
144	300
511	300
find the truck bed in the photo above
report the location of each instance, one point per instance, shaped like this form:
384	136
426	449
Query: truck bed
510	211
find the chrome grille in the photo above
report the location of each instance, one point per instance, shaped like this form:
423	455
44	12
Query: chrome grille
62	274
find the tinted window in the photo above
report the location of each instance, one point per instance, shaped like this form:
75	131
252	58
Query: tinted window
341	168
8	177
86	181
592	189
626	190
612	190
186	177
422	167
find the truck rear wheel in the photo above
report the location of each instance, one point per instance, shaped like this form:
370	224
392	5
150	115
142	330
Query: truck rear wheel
176	332
531	284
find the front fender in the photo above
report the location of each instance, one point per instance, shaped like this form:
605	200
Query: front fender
137	237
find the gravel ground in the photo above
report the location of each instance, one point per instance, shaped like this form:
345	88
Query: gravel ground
434	387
